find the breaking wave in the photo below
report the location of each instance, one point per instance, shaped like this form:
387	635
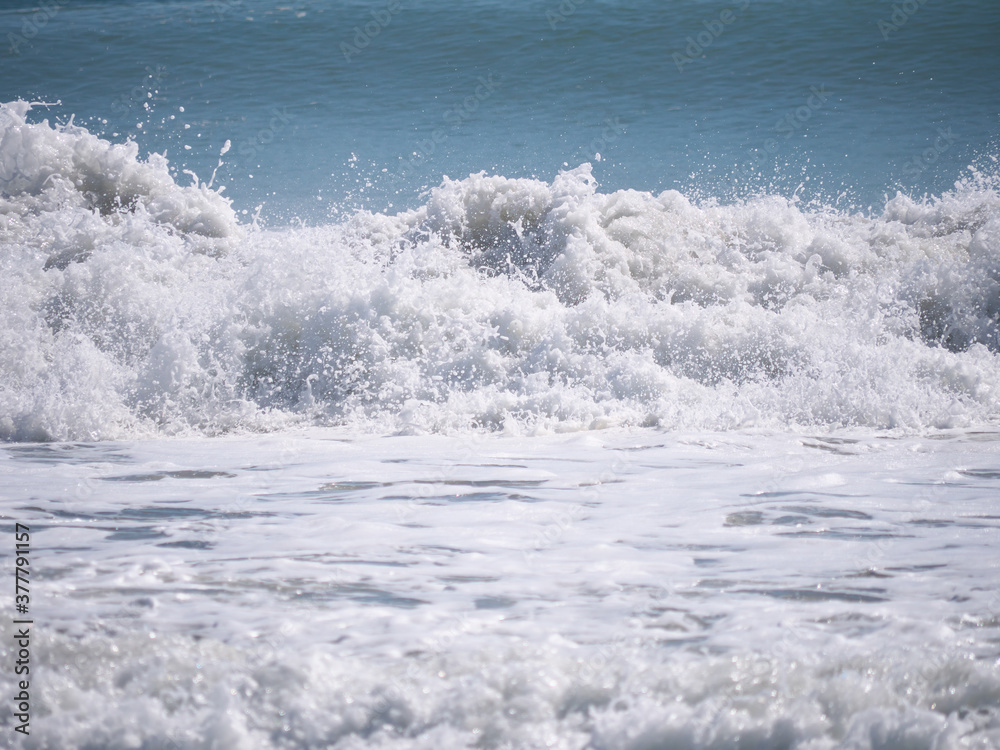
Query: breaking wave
134	306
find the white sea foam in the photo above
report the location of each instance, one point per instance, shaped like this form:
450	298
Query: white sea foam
173	692
621	590
134	306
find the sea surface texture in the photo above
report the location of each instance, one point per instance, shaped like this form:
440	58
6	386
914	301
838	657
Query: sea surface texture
503	374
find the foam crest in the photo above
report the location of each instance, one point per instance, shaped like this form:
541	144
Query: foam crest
68	166
130	307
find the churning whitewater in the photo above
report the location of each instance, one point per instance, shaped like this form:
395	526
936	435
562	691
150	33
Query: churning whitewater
135	306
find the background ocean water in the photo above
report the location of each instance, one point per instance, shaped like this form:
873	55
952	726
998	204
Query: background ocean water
667	93
662	422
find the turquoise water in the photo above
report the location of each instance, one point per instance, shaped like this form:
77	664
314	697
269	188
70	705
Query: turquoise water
841	101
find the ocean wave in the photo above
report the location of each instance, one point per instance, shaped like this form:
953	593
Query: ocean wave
134	306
